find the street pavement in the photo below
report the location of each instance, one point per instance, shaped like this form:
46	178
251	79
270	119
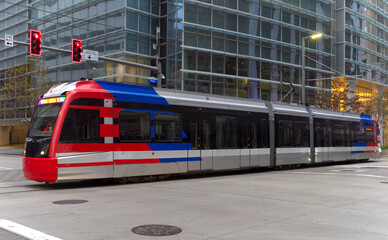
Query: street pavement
16	149
339	201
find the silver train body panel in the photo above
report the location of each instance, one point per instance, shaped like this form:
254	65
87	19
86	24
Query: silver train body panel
288	156
213	159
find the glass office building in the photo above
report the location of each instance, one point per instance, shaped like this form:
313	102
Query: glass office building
115	28
14	21
248	48
362	44
362	47
240	48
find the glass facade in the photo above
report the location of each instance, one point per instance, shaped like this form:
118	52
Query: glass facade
239	48
13	21
236	48
115	28
247	48
366	40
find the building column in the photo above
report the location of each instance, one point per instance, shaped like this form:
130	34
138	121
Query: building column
339	31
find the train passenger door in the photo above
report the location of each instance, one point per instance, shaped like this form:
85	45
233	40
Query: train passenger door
200	141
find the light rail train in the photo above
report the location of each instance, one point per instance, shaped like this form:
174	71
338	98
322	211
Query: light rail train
95	129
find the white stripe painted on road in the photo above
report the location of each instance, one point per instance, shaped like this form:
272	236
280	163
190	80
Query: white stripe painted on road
5	168
342	174
23	231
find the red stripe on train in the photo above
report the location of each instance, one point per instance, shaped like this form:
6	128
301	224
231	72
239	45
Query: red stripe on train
109	130
371	151
132	147
135	161
89	164
372	144
84	147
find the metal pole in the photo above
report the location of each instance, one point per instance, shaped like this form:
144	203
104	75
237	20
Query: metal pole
303	73
158	64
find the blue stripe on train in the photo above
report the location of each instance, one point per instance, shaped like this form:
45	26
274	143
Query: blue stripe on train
169	146
366	118
360	144
353	152
133	93
167	160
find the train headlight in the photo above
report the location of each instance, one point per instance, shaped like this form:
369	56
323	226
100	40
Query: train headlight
44	150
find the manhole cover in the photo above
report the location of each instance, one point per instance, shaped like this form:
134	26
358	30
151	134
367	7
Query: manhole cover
347	170
384	182
70	201
156	230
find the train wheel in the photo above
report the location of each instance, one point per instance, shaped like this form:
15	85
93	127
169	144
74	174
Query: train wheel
123	180
163	177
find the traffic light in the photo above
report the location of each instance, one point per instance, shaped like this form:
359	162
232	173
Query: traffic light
76	50
35	42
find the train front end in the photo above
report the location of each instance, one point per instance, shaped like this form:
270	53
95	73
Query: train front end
38	163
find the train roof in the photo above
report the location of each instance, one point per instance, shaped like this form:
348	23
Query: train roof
150	95
336	115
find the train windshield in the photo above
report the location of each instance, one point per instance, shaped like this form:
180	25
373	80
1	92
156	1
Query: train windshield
43	121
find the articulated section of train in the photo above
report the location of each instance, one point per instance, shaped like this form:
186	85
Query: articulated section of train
95	129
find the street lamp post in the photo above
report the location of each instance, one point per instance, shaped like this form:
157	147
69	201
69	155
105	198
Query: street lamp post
315	36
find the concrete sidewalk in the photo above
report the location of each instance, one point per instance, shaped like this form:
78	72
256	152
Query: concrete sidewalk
15	149
384	152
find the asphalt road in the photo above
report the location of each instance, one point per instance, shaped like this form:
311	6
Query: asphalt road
341	201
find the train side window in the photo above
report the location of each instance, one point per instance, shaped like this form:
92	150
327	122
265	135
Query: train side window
350	134
369	134
200	134
327	136
339	135
134	126
194	134
318	135
301	135
360	134
264	133
286	136
168	127
243	136
226	132
254	130
206	140
81	126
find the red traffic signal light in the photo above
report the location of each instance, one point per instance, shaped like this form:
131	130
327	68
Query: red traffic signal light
76	50
35	42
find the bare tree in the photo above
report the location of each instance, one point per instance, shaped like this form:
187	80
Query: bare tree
378	108
338	98
21	87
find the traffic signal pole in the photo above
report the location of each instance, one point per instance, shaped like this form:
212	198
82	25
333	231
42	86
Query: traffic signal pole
138	65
